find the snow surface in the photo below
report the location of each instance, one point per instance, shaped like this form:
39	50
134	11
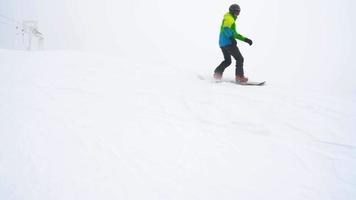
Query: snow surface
135	115
76	125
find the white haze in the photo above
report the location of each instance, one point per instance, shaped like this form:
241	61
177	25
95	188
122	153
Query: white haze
298	40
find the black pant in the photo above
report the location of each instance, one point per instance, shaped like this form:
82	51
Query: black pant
228	51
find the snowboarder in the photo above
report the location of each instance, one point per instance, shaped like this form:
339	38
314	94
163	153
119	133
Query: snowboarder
228	45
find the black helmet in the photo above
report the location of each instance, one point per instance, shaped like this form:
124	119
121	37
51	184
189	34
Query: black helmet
234	9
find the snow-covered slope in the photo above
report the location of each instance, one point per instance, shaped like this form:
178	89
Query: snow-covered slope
76	125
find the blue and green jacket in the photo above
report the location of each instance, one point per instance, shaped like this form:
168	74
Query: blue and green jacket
228	31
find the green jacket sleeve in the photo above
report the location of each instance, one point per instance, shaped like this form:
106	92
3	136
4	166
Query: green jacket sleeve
239	36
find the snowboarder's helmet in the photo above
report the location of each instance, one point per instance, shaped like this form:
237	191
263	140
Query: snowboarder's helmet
234	9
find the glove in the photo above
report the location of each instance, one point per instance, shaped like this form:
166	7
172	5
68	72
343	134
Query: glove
248	41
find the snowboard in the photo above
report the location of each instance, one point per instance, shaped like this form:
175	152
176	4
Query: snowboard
248	83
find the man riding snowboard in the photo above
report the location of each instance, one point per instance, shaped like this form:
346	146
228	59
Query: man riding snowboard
228	45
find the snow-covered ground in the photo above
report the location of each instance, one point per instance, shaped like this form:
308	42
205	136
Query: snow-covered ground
76	125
